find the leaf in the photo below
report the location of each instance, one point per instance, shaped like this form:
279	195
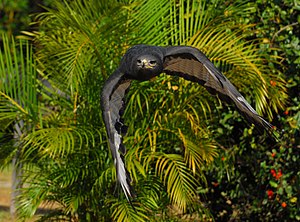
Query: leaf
177	177
18	93
273	184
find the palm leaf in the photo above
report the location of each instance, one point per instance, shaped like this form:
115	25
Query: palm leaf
18	92
124	212
198	154
81	42
150	21
179	180
58	142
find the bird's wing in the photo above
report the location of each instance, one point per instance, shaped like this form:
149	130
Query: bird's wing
113	105
193	65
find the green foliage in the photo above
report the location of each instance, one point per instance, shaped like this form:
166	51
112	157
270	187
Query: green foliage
18	91
261	181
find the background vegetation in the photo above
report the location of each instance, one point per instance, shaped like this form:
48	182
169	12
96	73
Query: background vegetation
191	157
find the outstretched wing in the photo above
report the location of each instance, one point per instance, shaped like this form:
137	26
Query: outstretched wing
113	105
192	64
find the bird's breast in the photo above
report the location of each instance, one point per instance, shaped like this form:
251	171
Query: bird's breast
143	74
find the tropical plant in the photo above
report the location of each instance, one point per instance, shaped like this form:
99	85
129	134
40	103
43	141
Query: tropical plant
171	139
261	180
18	103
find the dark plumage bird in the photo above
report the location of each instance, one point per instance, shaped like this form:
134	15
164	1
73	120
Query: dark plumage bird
142	62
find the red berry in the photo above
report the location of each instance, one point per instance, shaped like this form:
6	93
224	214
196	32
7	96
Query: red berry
279	174
270	193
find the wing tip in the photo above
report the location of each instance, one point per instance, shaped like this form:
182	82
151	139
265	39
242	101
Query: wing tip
124	178
271	129
127	189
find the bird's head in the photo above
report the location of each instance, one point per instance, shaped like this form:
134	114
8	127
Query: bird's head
143	62
146	62
148	66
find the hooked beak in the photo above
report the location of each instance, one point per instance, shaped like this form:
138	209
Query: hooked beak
145	64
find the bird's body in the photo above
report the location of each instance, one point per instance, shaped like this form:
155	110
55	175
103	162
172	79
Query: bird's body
143	62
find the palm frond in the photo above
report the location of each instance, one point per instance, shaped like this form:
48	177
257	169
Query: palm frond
18	92
150	20
124	212
57	142
179	180
79	40
198	154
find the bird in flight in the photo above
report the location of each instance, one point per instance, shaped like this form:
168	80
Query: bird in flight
143	62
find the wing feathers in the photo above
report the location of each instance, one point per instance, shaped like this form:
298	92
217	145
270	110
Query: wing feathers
191	64
113	106
193	70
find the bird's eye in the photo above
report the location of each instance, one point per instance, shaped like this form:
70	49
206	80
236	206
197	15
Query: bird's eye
139	61
152	62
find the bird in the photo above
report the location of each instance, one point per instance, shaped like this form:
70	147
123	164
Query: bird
143	62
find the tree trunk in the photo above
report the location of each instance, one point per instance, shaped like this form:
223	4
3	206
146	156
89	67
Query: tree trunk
16	170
